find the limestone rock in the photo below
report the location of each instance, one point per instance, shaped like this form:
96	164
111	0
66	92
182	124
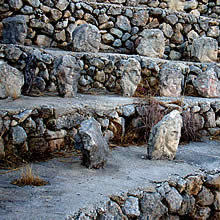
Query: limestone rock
204	49
171	80
131	76
152	43
207	84
152	207
11	81
131	207
95	148
86	38
67	71
14	30
165	135
18	135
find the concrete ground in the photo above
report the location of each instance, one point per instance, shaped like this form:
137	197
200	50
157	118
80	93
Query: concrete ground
73	186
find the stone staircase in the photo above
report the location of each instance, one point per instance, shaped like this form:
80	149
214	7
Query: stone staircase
72	60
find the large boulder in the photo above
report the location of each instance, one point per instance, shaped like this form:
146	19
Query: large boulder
11	81
67	71
165	136
130	70
152	43
205	49
171	80
207	84
86	38
14	30
95	148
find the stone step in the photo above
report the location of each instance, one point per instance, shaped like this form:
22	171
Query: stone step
121	30
35	127
108	73
199	7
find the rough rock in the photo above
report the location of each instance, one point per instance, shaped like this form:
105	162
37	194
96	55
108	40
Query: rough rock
204	49
217	201
130	71
18	135
152	43
205	197
67	71
207	84
95	148
213	181
164	137
16	4
194	185
14	30
2	148
131	207
86	37
11	81
171	80
123	23
152	207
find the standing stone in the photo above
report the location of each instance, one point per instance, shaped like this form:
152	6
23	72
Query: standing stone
11	81
152	43
14	30
67	71
205	49
165	136
86	38
130	71
207	84
171	80
95	148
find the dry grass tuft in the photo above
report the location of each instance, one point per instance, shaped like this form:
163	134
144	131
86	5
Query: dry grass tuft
28	178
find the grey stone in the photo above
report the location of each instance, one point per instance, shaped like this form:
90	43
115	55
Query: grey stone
152	43
11	81
187	205
16	4
205	197
22	116
27	10
217	201
171	80
152	207
128	110
130	71
140	18
2	148
204	49
86	38
62	4
95	148
123	23
131	207
207	84
118	33
165	136
67	71
210	119
174	200
34	3
14	30
167	30
13	53
213	181
18	135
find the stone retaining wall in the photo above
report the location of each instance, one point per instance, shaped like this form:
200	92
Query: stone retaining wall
102	73
192	197
28	133
51	24
197	7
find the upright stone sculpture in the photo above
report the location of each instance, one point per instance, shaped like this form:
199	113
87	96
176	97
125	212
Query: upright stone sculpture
164	138
86	38
205	49
14	30
207	84
152	43
67	71
95	148
11	81
130	71
171	80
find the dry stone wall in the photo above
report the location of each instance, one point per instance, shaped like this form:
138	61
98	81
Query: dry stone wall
128	75
193	197
52	24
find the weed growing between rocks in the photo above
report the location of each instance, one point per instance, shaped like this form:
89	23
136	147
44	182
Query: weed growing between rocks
190	129
28	178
